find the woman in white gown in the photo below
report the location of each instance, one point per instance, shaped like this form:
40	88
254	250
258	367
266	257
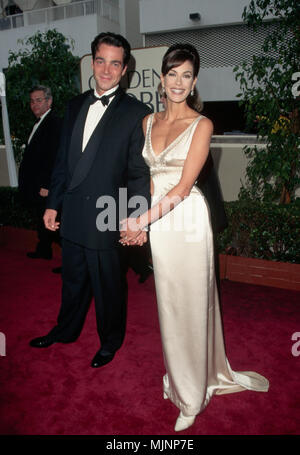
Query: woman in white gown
176	147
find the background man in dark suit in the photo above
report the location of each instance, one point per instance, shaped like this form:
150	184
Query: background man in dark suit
37	165
100	152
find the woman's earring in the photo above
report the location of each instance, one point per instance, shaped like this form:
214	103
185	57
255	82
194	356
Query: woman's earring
192	92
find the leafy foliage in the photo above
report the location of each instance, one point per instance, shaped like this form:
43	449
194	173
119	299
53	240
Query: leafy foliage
262	230
13	212
266	84
45	58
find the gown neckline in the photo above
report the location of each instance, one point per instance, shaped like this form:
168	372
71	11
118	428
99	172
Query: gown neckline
156	156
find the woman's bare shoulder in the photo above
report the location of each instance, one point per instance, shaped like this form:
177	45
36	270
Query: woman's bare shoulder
205	124
145	121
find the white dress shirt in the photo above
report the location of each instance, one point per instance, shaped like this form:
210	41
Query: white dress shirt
37	124
95	113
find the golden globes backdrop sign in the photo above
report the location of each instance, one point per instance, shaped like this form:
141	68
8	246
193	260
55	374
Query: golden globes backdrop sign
141	79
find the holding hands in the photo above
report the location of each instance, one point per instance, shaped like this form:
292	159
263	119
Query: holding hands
131	232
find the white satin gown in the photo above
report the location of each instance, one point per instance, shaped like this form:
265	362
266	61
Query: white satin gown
187	297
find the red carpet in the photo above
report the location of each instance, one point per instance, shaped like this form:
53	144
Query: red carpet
56	392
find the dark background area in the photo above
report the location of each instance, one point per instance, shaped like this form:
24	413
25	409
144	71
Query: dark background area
227	116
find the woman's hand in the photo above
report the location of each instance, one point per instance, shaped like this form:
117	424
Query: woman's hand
131	233
140	239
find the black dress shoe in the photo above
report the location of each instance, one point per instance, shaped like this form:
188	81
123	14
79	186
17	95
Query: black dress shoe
42	342
99	360
37	255
57	270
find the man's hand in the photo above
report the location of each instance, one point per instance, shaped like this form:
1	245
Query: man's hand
49	220
44	192
131	234
139	240
129	229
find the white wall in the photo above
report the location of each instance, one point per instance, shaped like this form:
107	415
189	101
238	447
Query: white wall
166	15
82	29
217	84
130	13
230	162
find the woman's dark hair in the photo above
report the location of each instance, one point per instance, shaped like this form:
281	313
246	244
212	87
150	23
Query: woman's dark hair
178	54
112	39
175	56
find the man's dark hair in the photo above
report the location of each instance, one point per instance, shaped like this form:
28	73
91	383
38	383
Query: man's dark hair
112	39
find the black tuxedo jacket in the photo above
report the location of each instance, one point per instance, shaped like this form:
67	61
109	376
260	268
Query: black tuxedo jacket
39	158
209	184
111	160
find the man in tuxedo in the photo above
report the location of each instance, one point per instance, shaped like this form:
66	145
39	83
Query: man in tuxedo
37	165
100	153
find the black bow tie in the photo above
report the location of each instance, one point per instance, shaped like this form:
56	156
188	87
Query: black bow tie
104	98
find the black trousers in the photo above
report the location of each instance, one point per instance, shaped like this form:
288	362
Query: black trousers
137	258
45	236
90	273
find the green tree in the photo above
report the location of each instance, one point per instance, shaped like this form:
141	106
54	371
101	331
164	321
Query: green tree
266	84
45	58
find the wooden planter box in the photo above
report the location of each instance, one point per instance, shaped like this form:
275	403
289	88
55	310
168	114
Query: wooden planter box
245	270
258	271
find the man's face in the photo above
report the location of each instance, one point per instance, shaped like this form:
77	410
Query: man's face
38	103
108	67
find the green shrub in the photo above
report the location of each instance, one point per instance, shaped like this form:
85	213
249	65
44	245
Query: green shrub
262	230
270	103
13	212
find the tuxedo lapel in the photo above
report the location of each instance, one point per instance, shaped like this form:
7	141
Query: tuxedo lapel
77	135
85	159
39	131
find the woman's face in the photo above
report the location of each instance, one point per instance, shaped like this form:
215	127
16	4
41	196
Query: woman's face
179	82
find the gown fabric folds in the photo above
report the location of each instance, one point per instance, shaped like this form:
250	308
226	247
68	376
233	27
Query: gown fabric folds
187	297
